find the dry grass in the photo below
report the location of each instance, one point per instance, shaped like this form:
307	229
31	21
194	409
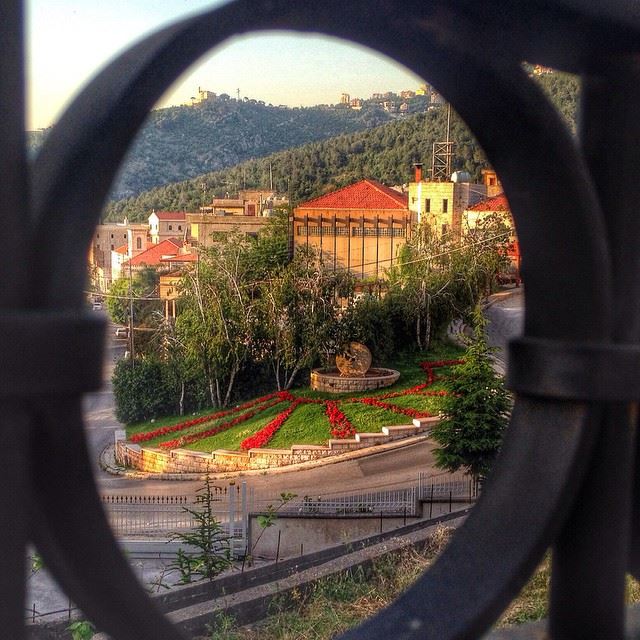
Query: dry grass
340	602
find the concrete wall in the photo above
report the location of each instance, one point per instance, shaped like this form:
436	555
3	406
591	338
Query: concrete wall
307	534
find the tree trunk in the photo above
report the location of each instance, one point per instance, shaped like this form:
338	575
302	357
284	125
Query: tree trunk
181	401
232	379
212	393
218	394
292	377
427	327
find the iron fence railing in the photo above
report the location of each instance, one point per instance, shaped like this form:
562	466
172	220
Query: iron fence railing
395	502
447	488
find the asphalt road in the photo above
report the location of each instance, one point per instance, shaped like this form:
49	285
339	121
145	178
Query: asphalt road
396	468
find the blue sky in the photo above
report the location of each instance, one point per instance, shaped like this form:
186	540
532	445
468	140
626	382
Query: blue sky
69	40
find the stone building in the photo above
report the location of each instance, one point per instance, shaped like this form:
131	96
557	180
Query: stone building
359	227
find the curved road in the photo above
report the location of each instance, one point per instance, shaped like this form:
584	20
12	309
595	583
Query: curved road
395	468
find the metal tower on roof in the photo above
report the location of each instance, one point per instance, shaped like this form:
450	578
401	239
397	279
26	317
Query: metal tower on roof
442	155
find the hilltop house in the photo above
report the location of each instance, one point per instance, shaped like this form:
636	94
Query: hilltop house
359	227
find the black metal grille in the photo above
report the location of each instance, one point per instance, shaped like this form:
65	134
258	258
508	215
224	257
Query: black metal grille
567	474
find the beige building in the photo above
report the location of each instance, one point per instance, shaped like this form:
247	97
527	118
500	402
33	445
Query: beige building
103	251
441	203
248	213
206	228
249	202
167	224
359	227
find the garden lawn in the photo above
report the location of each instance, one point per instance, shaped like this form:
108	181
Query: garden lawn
308	423
231	438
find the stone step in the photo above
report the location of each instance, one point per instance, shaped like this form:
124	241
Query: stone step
372	439
400	430
339	444
424	424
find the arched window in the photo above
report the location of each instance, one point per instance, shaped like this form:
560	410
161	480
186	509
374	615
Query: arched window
138	243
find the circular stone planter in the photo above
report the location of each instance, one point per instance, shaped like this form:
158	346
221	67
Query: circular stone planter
330	380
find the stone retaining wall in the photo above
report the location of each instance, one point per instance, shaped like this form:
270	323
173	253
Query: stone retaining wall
154	460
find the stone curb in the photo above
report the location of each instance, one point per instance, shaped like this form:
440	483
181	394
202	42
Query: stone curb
107	463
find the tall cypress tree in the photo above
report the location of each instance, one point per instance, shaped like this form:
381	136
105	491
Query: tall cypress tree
476	413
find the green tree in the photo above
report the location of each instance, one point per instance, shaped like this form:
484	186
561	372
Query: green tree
475	414
140	294
217	323
143	391
211	555
300	316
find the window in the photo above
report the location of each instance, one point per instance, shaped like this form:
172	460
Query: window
179	227
427	205
112	247
445	205
170	227
396	232
112	236
138	243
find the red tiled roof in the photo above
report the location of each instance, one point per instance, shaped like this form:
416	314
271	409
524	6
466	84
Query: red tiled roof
497	203
154	254
123	249
366	194
179	216
182	257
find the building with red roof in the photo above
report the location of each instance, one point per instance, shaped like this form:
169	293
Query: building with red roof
359	227
497	206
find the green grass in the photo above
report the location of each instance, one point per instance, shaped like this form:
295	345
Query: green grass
308	423
232	438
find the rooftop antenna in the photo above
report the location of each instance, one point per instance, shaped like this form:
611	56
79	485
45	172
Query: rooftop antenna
443	154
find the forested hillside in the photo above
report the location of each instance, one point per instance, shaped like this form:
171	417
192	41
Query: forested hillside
385	153
182	142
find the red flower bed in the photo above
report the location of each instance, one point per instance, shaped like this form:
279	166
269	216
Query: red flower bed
260	438
374	402
181	426
201	435
340	425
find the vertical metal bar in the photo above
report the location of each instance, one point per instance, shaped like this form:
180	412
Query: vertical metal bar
14	216
588	586
232	518
245	514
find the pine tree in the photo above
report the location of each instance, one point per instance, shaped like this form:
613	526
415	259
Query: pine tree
476	413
